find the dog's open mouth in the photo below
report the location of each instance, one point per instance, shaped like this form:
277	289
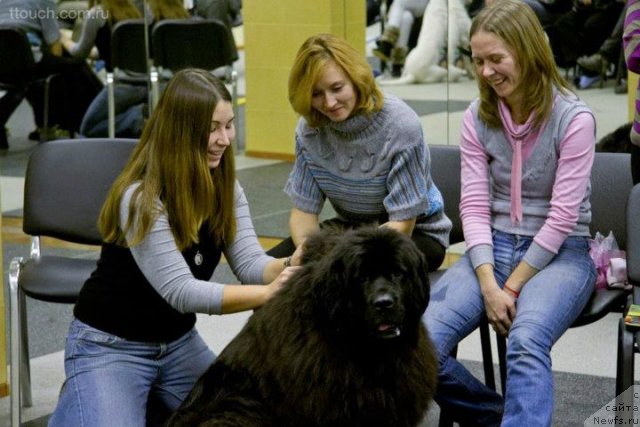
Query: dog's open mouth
387	330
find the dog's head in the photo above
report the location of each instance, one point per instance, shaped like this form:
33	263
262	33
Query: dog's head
369	283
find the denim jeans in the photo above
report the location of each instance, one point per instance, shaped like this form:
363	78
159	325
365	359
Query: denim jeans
110	379
129	117
548	304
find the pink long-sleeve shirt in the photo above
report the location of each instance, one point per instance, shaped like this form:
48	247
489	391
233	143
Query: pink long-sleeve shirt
572	177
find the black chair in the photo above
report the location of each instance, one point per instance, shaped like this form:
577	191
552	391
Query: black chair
197	43
445	172
128	59
18	73
611	185
629	338
66	184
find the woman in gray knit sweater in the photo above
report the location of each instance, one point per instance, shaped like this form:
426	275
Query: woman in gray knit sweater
363	151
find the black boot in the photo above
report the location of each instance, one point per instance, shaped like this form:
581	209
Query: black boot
593	63
386	42
398	55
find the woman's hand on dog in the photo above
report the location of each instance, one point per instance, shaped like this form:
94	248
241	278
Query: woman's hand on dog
296	258
275	286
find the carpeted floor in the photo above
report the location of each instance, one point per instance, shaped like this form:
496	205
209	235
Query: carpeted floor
268	203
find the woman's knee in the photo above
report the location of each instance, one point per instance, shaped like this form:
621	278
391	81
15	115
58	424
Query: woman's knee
528	339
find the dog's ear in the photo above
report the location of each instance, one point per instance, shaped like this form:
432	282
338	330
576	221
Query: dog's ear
319	244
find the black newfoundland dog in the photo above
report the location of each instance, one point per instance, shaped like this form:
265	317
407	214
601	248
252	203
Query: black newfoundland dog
341	344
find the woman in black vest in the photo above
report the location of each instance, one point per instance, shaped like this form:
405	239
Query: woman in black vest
171	214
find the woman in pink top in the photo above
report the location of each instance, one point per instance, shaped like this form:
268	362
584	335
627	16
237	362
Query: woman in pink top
527	148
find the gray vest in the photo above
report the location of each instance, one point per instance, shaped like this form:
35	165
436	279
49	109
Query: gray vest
538	171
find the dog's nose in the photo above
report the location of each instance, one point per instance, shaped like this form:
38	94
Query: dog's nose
383	302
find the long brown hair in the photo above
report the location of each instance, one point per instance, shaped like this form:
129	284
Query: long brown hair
119	10
514	22
311	60
170	164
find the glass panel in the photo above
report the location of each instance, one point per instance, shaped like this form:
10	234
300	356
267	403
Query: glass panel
424	81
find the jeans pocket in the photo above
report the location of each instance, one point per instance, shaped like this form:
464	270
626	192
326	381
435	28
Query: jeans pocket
85	340
577	243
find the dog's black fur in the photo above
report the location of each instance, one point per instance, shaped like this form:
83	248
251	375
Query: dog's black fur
618	141
340	345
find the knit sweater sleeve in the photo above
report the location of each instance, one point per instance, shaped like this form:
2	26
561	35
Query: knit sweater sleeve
577	152
407	179
301	186
475	208
94	20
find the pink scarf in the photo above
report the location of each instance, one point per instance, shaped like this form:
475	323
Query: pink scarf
515	134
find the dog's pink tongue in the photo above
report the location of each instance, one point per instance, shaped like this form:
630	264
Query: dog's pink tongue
384	327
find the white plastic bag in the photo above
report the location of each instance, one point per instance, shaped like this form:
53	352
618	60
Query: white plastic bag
610	261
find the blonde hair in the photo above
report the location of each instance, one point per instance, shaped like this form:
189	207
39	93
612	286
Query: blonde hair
171	164
167	9
119	10
517	26
310	62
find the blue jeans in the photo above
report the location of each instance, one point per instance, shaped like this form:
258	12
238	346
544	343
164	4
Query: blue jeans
547	306
110	379
129	117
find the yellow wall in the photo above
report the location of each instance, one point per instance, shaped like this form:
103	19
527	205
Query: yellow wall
273	32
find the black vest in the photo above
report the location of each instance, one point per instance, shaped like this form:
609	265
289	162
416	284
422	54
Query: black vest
118	299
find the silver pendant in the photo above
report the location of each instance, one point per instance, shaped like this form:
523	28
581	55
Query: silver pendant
198	258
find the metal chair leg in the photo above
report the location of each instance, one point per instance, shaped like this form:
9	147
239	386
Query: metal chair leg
502	361
626	351
111	105
154	78
14	273
487	355
25	365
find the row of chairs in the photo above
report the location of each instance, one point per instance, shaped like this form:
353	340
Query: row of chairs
174	44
